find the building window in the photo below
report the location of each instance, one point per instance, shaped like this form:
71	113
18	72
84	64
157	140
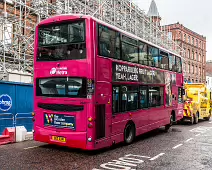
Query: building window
184	67
192	69
192	56
196	56
192	40
188	39
197	42
185	37
185	52
188	68
180	35
199	57
200	44
188	53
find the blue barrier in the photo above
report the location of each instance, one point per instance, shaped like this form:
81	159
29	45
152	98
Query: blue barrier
6	120
17	99
24	119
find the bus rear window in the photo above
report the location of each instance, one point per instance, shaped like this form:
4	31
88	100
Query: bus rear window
62	87
64	41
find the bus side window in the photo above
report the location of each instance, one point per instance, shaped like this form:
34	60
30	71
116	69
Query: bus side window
124	98
116	100
155	96
143	97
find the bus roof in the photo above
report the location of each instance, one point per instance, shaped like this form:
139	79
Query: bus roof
110	26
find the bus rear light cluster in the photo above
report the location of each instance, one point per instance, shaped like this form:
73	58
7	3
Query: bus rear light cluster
33	113
90	119
90	125
90	139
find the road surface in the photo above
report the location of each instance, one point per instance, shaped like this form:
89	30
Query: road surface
185	147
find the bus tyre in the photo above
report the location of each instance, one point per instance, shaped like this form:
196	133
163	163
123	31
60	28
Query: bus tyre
129	133
167	127
196	118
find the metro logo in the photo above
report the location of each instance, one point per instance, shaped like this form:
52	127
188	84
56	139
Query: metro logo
59	71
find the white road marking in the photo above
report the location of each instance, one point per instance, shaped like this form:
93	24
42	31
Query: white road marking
197	135
201	129
157	156
140	156
31	147
177	146
189	139
127	162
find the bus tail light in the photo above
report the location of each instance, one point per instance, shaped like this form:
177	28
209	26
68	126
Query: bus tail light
90	119
33	114
33	119
90	125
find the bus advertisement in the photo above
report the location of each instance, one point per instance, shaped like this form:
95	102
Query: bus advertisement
96	85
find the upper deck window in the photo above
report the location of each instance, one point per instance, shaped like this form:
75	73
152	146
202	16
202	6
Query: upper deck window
129	49
63	41
179	64
153	55
109	42
62	87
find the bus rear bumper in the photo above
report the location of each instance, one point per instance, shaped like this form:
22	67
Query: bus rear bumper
69	139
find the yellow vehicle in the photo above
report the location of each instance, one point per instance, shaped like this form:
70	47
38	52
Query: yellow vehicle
197	103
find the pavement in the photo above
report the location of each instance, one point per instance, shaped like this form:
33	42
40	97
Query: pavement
185	147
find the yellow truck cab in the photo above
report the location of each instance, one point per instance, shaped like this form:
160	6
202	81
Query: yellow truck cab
197	102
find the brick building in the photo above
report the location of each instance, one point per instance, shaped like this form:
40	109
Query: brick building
193	44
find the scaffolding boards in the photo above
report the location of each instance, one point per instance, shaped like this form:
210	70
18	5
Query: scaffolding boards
19	17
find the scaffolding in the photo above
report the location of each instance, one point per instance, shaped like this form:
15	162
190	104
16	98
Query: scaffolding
19	17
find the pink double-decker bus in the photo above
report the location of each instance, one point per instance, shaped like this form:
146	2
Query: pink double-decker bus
96	85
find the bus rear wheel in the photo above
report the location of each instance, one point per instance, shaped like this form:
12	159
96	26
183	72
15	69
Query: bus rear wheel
129	133
167	127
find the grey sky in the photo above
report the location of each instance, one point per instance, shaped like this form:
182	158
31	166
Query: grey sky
193	14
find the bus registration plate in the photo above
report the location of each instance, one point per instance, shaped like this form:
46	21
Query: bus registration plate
59	139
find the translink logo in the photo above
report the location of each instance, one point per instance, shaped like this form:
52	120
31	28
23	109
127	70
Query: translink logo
5	102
